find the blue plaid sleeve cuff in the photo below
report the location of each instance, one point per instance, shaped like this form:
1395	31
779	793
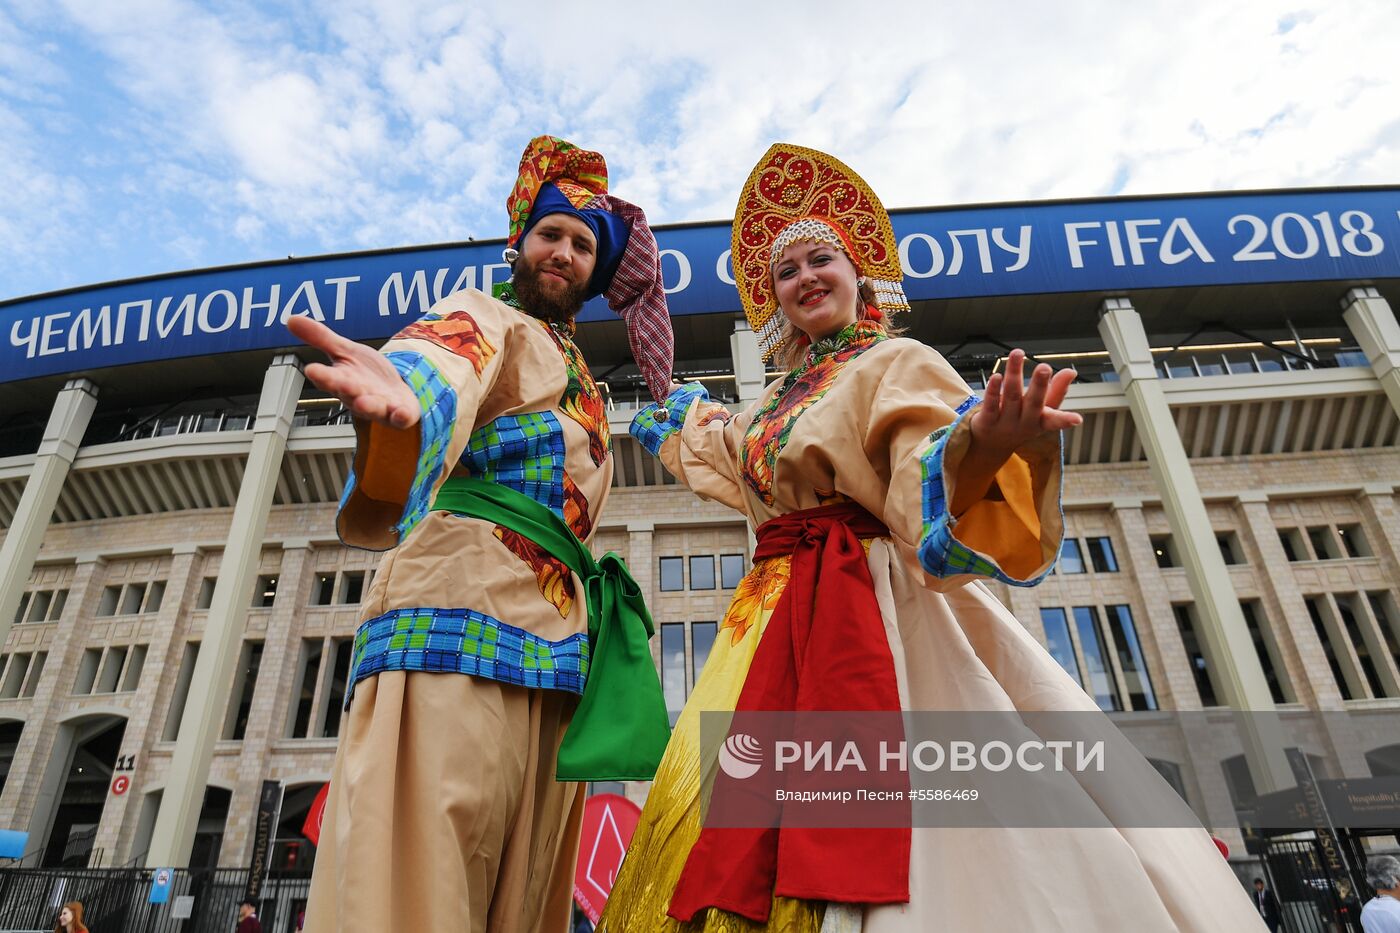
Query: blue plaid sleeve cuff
652	432
438	404
940	552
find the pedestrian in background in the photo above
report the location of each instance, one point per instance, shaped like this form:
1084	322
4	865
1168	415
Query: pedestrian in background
70	919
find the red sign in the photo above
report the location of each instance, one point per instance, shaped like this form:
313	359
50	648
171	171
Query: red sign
311	829
608	823
120	784
1220	844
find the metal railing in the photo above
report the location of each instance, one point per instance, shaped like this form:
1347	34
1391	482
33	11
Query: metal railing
200	900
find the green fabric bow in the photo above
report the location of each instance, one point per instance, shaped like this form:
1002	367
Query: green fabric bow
620	728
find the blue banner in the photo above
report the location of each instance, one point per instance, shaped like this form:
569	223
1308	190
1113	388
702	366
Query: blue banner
1122	244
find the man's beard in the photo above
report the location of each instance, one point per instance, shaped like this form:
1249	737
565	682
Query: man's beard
547	305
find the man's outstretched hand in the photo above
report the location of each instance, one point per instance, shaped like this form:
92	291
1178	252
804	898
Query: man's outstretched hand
365	382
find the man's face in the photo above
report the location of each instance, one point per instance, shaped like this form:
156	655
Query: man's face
556	261
1258	885
243	911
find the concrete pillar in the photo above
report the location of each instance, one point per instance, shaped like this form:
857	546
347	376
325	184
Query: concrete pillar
748	362
271	694
1373	324
68	420
200	726
1227	644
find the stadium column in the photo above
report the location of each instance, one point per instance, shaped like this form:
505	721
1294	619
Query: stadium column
1228	647
68	420
200	726
1373	324
748	362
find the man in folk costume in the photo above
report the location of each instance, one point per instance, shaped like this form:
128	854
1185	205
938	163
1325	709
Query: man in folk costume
883	493
482	459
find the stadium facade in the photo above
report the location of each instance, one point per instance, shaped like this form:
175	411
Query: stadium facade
177	612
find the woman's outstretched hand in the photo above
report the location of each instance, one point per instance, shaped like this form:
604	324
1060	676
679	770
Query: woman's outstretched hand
365	382
1009	416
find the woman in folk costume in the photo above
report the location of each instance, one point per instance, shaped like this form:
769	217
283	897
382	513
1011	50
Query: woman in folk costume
498	664
883	491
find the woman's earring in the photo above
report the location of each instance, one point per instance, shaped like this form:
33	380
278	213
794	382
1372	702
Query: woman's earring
860	282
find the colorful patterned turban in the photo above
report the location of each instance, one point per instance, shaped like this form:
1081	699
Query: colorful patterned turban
795	194
558	177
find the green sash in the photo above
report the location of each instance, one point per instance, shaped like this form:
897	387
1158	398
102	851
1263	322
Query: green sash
620	728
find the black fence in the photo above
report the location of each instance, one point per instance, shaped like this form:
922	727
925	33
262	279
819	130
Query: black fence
199	900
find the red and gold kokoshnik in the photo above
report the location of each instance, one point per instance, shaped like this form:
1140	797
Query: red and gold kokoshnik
816	195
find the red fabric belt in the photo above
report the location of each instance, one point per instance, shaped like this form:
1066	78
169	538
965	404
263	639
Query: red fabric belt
842	664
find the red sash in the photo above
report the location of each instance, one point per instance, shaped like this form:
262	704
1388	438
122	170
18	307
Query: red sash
843	664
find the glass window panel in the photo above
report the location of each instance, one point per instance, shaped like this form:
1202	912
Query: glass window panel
673	667
336	685
1102	556
731	570
1186	625
1057	640
1319	626
1322	544
702	639
702	572
1130	659
1264	650
1101	685
1071	558
672	574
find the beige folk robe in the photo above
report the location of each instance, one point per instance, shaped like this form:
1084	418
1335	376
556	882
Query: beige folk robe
444	812
864	423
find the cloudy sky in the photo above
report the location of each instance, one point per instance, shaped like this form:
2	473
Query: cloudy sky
148	136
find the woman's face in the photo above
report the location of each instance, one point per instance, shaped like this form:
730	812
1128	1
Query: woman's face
815	284
65	916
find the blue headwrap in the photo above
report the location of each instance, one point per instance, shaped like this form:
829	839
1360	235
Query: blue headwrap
608	229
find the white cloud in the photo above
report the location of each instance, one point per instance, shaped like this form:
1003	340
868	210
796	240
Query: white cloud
366	123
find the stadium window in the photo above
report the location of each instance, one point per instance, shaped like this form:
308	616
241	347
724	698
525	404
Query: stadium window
1360	644
36	668
135	663
1165	551
308	669
702	572
1101	684
1315	613
22	607
1058	641
1071	558
1292	543
672	574
1385	621
206	593
60	601
181	694
702	639
337	683
245	682
14	673
352	587
113	660
323	593
673	667
155	595
1101	555
1229	546
133	595
38	606
87	671
731	570
1186	624
1324	544
1353	541
266	592
111	595
1267	650
1137	684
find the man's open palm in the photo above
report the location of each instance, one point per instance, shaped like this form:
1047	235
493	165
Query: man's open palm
365	382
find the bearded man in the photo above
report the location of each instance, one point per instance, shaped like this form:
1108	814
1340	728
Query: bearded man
494	653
